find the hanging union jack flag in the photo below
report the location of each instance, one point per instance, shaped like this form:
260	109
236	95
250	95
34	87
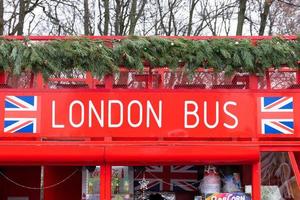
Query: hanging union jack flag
169	178
276	115
20	114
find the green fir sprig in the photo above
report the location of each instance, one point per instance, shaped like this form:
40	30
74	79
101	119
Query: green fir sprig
228	55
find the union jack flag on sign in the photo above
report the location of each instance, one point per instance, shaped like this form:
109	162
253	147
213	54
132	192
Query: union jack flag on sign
276	115
169	178
20	114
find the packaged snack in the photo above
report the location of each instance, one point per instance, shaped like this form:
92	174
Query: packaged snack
228	196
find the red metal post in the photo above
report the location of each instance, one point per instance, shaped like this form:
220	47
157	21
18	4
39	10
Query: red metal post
32	75
39	81
108	81
253	81
295	167
2	78
298	76
105	183
268	80
149	79
102	182
256	183
89	80
161	72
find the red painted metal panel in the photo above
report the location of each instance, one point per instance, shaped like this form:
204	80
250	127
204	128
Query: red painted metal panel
132	114
45	153
135	155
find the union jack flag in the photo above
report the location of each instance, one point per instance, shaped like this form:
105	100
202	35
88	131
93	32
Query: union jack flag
20	114
276	115
169	178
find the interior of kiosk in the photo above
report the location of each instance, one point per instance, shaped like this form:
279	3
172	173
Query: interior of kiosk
211	181
181	182
200	182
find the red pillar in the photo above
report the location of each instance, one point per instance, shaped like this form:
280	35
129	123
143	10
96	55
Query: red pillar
105	183
256	183
268	80
108	81
298	76
89	80
39	81
253	82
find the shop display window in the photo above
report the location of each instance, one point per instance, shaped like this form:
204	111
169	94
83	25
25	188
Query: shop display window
174	182
122	183
91	183
278	177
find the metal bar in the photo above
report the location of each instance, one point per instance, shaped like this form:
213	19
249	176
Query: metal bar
31	83
108	81
298	76
268	80
47	154
39	81
102	182
89	80
128	155
253	82
256	183
295	167
106	186
67	79
154	142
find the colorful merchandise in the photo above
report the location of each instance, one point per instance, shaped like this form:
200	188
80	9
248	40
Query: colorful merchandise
211	182
232	183
228	196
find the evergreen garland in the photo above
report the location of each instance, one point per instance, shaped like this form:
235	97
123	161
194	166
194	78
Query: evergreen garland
229	55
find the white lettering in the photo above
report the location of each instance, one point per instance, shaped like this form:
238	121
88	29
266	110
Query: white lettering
236	121
81	121
54	125
193	113
140	115
206	116
93	110
158	118
110	104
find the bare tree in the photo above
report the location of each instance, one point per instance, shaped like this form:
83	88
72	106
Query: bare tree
86	18
264	16
63	17
149	17
25	7
171	21
192	5
241	16
1	17
284	17
106	16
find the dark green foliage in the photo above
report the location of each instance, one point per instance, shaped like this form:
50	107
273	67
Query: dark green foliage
83	54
